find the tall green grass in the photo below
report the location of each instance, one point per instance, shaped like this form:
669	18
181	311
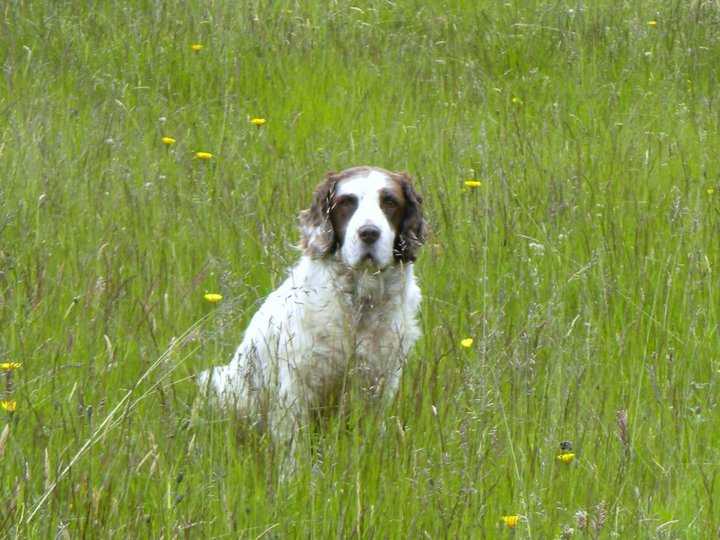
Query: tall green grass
585	267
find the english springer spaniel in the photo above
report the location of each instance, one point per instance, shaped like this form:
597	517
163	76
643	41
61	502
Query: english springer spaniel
346	315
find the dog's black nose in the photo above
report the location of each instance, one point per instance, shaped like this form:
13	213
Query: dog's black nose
369	233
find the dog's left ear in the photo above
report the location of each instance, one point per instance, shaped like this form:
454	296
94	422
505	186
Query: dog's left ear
413	229
318	235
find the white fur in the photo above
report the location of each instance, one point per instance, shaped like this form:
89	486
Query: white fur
329	323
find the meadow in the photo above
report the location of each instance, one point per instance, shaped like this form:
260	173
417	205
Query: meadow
582	259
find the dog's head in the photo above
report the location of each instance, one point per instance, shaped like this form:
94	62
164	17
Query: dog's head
366	216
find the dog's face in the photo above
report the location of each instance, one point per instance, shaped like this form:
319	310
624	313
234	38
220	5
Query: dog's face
365	216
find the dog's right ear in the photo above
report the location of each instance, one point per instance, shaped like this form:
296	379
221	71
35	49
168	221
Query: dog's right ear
318	236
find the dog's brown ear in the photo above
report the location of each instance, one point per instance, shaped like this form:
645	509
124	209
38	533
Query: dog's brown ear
318	236
413	229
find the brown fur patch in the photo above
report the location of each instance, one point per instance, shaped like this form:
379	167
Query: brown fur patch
318	236
413	227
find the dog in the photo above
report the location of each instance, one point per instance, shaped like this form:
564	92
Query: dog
346	315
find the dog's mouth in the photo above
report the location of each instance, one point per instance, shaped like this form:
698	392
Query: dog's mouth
368	260
371	263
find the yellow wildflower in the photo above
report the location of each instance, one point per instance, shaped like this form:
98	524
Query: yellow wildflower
196	47
566	457
652	23
473	183
467	342
516	100
10	365
510	521
710	191
168	140
8	405
203	155
213	298
258	121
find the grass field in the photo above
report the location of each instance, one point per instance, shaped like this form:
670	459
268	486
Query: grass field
585	266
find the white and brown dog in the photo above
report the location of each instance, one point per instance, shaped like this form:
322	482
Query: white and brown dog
345	315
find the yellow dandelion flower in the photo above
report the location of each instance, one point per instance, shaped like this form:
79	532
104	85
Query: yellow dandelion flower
473	183
10	365
9	405
566	457
652	23
710	191
213	298
510	521
168	140
467	342
258	121
516	100
197	47
203	155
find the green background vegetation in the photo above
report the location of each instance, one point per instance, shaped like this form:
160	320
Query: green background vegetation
585	267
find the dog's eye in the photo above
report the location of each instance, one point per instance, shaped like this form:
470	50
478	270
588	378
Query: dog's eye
345	201
389	202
